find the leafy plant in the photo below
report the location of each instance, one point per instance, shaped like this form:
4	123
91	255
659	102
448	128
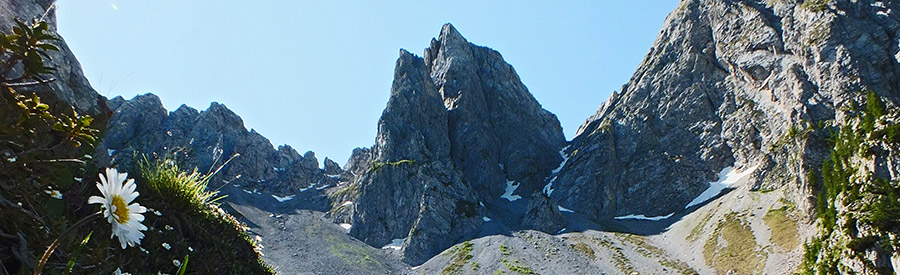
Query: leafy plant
77	128
27	45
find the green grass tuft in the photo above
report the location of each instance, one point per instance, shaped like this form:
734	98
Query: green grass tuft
166	179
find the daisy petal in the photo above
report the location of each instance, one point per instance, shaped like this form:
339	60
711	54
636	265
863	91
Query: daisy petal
96	199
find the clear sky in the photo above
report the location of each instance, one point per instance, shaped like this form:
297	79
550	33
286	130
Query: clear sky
317	74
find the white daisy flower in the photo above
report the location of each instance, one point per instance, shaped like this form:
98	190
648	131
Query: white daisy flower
118	192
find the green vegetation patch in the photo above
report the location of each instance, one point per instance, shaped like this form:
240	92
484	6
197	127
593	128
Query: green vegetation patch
188	221
354	255
516	267
376	165
504	250
815	5
585	249
622	263
698	229
732	247
678	266
462	253
784	228
643	247
847	192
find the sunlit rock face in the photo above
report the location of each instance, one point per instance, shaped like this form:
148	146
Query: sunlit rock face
722	86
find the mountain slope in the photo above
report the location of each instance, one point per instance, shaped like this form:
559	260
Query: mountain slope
760	87
729	84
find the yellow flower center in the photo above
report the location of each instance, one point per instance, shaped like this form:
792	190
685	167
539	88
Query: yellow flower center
121	211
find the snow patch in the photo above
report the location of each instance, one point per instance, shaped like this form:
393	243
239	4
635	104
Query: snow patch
395	244
247	191
642	217
346	203
334	176
279	169
486	219
110	152
511	187
283	199
727	177
323	187
346	226
563	209
548	189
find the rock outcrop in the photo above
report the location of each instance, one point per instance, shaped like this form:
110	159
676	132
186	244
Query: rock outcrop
725	84
412	190
207	140
69	84
498	131
459	128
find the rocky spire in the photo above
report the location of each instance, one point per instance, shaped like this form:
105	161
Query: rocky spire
412	192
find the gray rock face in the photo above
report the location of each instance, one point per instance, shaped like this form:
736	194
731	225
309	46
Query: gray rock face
412	191
723	85
544	215
70	85
458	127
498	131
332	168
207	140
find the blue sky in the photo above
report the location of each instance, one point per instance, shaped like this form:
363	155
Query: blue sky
317	74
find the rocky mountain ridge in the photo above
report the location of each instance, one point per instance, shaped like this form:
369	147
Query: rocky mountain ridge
211	140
